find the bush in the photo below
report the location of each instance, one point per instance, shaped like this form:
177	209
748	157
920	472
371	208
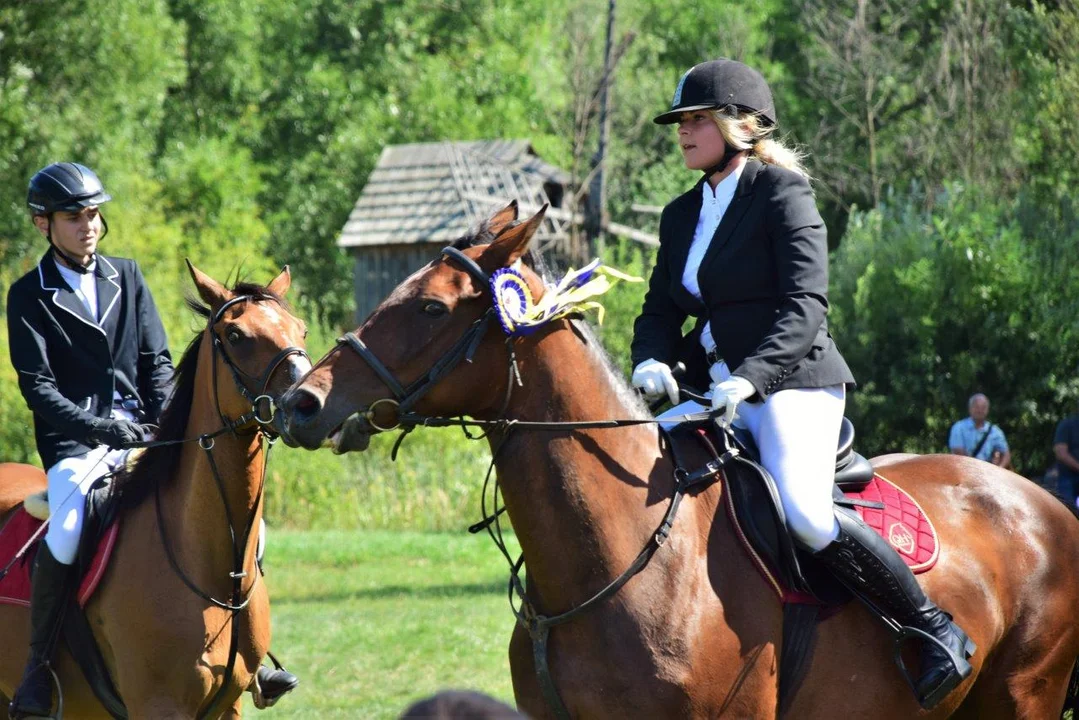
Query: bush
938	297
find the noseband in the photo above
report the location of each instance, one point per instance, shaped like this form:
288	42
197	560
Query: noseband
405	397
262	405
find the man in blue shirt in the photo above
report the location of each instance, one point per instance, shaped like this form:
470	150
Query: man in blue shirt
1066	449
976	437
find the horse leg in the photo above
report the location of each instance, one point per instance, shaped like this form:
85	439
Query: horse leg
234	712
1015	688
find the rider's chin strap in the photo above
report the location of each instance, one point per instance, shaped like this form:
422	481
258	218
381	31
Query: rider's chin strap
67	259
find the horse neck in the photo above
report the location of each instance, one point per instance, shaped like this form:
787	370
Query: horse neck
196	509
582	502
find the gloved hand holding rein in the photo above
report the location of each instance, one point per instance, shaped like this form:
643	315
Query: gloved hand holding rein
117	433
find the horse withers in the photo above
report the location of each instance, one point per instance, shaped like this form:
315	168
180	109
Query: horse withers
165	643
698	632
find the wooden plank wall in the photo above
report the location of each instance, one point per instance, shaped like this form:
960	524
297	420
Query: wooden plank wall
378	269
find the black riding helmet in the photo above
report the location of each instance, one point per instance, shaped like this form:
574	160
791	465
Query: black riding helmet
65	187
716	84
726	85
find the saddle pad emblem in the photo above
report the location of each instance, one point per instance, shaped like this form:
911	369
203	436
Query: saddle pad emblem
901	538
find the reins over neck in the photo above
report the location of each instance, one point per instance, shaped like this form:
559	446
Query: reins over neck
261	415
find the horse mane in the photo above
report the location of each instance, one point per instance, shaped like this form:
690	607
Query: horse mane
159	464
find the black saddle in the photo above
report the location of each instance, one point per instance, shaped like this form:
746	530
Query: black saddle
759	511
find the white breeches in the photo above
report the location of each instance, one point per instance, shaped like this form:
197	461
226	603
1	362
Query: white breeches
69	483
797	431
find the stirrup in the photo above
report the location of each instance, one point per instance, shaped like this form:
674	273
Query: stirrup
263	699
961	668
55	680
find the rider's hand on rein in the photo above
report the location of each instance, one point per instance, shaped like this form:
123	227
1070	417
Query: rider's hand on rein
654	378
726	396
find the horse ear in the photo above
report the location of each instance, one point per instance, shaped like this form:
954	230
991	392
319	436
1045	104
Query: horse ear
280	284
511	244
502	218
211	291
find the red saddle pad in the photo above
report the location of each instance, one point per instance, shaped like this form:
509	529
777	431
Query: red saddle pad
902	523
15	586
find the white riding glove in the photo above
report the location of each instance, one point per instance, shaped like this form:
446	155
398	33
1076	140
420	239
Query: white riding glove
726	396
654	378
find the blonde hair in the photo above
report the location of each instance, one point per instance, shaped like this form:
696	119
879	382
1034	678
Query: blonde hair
746	132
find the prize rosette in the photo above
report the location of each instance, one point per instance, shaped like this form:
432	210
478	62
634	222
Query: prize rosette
512	300
520	314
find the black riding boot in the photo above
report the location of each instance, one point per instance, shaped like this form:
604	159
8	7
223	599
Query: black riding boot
870	567
50	590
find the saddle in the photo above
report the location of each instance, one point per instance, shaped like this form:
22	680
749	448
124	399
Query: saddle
752	501
100	530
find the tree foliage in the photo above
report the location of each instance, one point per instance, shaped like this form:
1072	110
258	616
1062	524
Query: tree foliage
240	132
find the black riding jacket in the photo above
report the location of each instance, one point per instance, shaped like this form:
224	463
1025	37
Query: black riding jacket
69	364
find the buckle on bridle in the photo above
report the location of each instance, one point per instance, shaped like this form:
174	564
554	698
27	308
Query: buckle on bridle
369	415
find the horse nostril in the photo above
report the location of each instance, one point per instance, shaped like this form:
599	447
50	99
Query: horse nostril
305	405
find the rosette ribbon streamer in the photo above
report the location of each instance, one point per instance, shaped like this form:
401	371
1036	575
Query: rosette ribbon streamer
521	315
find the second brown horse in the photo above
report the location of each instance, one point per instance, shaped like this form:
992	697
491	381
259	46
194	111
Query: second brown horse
698	632
166	648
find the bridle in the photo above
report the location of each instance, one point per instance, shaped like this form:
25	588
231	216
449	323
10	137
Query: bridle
262	416
405	397
262	405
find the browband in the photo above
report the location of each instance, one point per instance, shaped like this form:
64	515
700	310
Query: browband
471	267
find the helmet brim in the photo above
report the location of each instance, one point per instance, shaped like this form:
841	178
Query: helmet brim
80	203
673	116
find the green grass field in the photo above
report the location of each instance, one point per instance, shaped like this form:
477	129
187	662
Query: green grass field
372	620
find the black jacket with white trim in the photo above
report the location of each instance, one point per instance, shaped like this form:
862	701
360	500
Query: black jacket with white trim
70	364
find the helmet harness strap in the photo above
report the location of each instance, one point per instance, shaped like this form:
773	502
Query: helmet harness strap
67	259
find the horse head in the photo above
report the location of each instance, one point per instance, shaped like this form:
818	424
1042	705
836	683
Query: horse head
257	344
433	346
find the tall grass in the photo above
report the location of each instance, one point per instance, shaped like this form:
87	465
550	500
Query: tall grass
434	485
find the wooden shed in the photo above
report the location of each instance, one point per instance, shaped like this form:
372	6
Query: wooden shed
423	196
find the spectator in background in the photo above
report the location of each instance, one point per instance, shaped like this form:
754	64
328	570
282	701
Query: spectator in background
1066	449
976	437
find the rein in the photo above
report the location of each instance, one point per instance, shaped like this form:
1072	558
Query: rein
405	397
262	410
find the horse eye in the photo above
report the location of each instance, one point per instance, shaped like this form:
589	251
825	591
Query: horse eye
434	308
234	336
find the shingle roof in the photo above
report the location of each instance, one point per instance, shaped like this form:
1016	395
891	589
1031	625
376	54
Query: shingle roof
436	192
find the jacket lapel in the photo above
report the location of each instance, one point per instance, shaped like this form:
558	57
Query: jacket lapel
63	296
108	294
685	219
743	198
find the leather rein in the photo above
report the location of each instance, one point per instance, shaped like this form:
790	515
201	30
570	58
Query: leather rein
262	416
406	396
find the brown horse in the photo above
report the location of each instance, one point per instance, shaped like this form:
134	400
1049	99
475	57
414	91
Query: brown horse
697	633
167	648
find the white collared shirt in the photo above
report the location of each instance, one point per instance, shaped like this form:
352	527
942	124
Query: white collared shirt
84	284
714	204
